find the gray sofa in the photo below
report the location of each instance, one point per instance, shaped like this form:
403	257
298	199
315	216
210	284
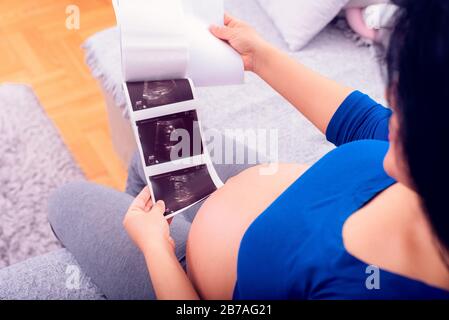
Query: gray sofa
253	105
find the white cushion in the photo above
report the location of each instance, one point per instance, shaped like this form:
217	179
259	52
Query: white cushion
300	20
379	16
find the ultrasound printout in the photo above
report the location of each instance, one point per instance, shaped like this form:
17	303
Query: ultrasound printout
161	137
182	188
151	94
166	125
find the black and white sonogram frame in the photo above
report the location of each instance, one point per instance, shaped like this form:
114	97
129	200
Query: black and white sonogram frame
177	177
182	188
151	94
170	137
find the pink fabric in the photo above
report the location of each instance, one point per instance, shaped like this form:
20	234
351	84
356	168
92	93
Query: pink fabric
356	22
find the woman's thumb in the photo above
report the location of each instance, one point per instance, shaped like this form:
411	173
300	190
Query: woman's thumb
160	207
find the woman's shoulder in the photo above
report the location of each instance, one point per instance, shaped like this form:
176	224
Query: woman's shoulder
358	118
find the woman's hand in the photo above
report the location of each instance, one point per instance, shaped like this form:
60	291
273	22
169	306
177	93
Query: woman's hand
243	38
147	226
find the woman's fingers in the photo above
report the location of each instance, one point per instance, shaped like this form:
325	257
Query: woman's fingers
148	206
143	202
230	21
227	19
143	199
158	208
223	33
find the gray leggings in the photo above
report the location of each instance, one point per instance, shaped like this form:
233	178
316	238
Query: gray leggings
87	219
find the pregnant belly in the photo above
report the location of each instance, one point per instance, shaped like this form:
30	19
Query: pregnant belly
220	224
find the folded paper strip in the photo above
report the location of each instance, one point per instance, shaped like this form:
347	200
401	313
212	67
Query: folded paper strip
170	39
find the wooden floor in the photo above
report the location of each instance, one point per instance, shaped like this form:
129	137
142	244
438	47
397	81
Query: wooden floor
36	48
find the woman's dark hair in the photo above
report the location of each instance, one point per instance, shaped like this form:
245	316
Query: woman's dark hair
418	68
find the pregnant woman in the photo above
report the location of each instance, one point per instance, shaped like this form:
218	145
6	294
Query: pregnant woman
367	221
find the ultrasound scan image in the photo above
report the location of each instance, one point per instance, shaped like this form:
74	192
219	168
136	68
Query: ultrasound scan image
182	188
156	137
151	94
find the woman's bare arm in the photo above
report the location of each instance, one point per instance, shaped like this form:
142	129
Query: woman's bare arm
313	95
170	282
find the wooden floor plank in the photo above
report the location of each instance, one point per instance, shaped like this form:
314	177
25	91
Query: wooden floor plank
37	49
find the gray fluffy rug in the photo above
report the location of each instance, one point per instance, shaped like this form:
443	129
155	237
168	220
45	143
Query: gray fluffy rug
33	162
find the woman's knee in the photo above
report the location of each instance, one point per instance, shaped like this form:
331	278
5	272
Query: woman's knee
61	202
81	207
136	177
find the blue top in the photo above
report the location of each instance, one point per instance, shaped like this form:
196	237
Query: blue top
295	250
